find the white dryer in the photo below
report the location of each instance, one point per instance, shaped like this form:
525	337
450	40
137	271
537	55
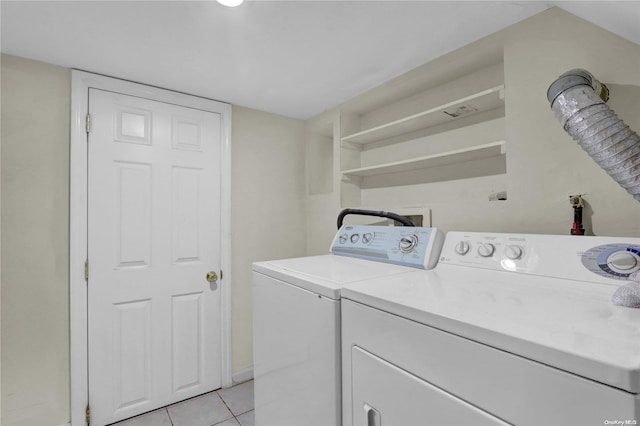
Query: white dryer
507	329
297	318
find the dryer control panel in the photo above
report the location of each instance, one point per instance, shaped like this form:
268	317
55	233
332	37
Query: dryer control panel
418	247
607	260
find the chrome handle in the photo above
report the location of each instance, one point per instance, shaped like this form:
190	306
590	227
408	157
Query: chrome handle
212	277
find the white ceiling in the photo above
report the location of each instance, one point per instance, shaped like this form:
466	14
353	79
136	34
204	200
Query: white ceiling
294	58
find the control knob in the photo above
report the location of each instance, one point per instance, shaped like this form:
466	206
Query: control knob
486	249
462	248
366	238
622	261
408	243
513	252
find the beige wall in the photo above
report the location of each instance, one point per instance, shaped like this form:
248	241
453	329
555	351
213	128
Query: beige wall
268	219
544	165
267	194
35	216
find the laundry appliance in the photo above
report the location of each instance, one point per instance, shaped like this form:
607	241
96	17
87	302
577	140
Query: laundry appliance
297	317
506	329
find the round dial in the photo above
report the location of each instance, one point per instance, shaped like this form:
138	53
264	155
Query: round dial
408	243
366	238
486	249
343	238
617	260
355	238
513	252
622	261
462	248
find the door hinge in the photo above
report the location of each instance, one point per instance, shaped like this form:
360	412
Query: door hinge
87	415
88	123
86	270
221	274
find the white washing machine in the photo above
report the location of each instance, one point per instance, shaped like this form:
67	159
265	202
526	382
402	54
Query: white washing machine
297	318
507	329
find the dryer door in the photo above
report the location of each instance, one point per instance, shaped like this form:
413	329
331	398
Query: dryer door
385	395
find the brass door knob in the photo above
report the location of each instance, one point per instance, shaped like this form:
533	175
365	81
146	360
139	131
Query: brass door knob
212	277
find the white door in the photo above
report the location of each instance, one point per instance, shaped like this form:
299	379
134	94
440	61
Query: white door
154	233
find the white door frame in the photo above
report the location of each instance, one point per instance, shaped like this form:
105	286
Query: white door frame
80	83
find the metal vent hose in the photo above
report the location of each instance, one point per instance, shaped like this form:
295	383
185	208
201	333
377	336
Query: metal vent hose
578	102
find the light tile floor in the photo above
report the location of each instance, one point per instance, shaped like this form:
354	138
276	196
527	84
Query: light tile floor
224	407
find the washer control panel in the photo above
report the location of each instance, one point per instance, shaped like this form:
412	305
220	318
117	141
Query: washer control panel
618	261
418	247
606	260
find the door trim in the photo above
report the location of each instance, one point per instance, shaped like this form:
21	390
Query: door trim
78	209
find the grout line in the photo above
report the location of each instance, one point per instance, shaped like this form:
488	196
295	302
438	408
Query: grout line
238	420
166	408
225	404
235	416
228	408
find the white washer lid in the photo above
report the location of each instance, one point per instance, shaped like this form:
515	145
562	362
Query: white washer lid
570	325
326	274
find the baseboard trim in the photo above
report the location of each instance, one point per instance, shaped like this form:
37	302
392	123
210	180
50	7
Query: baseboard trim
242	375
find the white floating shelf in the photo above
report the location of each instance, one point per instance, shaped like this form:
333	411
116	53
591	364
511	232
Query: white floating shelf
482	101
477	152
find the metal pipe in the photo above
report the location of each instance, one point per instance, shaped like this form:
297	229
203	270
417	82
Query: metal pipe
578	99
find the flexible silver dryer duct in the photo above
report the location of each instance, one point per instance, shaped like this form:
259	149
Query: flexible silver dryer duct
578	102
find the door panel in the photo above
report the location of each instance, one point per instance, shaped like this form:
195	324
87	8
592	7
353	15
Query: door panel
384	394
133	210
187	340
131	340
185	224
154	233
